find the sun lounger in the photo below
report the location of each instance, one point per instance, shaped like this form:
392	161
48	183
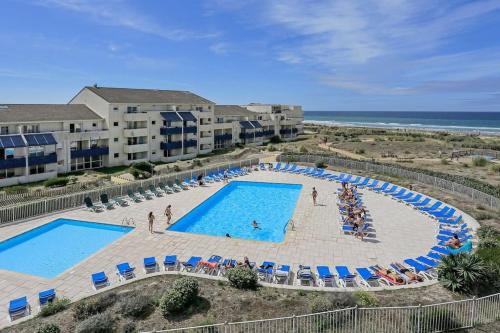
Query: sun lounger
442	213
381	188
18	308
124	271
150	265
324	276
265	271
336	177
346	179
191	264
210	266
227	263
99	280
431	208
165	188
419	268
120	201
363	183
426	261
293	168
415	199
175	187
153	190
305	275
367	278
144	194
277	167
449	214
446	229
455	221
404	195
385	275
389	190
92	207
46	297
182	185
133	196
462	238
396	194
412	277
423	203
434	255
373	184
355	180
282	274
442	250
345	277
105	201
170	263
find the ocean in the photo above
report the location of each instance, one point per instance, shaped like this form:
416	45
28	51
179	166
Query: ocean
475	122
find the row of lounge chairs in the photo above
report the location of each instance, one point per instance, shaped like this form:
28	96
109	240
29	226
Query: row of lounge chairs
141	194
20	307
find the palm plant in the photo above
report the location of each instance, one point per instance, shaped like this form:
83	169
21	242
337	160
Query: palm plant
462	272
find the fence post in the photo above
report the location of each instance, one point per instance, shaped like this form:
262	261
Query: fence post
226	327
473	311
419	318
355	329
294	323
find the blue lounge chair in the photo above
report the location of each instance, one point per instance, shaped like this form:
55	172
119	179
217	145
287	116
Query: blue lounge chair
305	171
336	177
191	264
292	168
281	274
373	184
431	208
442	250
265	271
401	270
47	296
226	264
170	263
150	265
346	278
211	265
382	187
305	275
402	191
346	179
390	190
429	262
422	203
99	280
277	166
364	182
285	167
419	268
445	231
355	180
434	255
447	215
18	308
439	212
461	233
404	196
455	221
124	271
368	279
415	199
324	276
91	206
463	238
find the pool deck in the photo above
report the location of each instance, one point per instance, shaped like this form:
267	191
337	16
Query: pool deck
400	232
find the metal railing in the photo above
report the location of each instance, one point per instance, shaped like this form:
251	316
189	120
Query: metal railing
477	196
49	205
412	319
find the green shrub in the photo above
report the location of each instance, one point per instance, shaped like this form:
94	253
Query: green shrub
321	165
85	309
365	299
462	272
485	232
56	306
16	189
490	255
128	327
270	147
320	304
143	166
303	149
99	323
49	328
479	162
54	182
180	296
242	278
138	306
275	139
444	161
176	168
495	168
359	151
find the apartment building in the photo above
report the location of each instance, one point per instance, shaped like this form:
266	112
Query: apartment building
152	125
38	141
102	127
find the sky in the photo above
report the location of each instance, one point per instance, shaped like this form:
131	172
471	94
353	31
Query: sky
385	55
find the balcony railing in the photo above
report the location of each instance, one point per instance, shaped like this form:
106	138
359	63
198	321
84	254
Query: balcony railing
258	134
190	143
17	162
191	129
170	145
246	135
42	159
170	130
268	133
223	137
90	152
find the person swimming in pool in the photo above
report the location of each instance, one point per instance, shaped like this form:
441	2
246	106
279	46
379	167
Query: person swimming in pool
255	225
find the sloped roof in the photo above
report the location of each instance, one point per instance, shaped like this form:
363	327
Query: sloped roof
233	110
10	113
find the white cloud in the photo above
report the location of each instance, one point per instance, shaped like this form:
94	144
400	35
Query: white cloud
219	48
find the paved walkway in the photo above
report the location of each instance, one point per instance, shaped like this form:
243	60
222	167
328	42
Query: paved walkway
401	232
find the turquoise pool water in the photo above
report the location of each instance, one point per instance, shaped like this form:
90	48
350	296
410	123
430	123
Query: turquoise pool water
233	208
49	250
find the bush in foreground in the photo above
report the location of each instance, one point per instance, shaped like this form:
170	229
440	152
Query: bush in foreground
100	323
136	306
321	304
180	296
242	278
365	299
54	182
462	272
49	328
56	306
83	310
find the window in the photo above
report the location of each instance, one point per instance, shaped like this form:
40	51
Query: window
94	125
199	108
73	128
131	109
154	153
36	169
153	122
115	139
115	124
220	120
153	137
116	155
115	108
210	107
4	130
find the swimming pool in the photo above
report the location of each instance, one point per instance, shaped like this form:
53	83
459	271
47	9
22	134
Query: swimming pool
49	250
232	209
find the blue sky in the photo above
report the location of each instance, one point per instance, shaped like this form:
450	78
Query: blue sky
326	55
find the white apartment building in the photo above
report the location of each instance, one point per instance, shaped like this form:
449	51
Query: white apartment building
103	127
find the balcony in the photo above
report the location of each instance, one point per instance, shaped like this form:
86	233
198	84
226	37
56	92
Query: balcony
90	152
170	145
135	116
134	132
129	149
190	143
170	130
246	135
259	134
268	133
223	137
17	162
42	159
191	129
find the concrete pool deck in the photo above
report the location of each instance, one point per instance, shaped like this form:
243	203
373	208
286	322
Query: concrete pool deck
400	232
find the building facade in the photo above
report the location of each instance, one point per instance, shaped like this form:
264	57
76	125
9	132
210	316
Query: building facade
102	127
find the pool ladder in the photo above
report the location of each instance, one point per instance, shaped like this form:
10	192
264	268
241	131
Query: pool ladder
128	221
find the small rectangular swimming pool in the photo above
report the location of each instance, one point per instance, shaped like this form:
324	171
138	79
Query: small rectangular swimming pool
232	209
49	250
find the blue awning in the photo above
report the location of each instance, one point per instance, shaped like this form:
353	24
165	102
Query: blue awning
11	141
246	125
170	116
42	139
256	124
187	116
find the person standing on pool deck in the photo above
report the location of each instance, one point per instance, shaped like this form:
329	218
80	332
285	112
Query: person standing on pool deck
225	176
151	219
168	213
314	195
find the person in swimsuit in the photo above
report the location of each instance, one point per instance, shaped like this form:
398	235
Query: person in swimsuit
151	219
168	213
